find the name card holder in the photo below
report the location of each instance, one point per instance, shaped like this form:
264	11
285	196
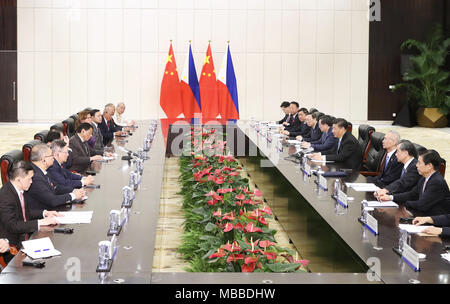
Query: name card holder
411	257
342	199
371	224
307	170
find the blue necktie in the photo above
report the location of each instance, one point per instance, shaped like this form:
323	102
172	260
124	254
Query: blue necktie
403	172
386	162
339	145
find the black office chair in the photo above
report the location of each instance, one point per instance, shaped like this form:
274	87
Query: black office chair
443	167
58	126
364	139
74	117
6	162
69	126
375	156
26	149
350	127
42	136
420	149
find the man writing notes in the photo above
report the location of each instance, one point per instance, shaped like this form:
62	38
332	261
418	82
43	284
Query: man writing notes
17	219
82	154
431	195
347	151
392	168
407	156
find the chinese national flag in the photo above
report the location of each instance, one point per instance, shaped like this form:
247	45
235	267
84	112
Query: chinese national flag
208	88
170	97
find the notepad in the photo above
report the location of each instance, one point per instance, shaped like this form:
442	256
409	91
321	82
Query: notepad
75	217
39	248
362	187
412	228
377	204
293	141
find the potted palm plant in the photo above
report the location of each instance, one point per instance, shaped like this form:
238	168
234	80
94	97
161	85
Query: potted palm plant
426	82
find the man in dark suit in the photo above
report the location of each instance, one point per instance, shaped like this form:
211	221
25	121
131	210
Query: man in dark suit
107	126
327	141
409	176
298	126
82	154
431	195
392	169
59	175
347	151
312	121
43	193
285	106
55	135
97	118
442	221
17	219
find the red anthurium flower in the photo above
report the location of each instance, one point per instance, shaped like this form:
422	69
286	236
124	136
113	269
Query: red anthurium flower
212	202
228	227
234	257
218	197
241	212
270	255
267	210
195	165
220	253
303	262
248	268
210	193
238	203
226	168
246	190
234	247
265	244
217	213
240	196
239	226
258	192
229	216
262	220
211	178
251	243
217	171
224	190
252	228
234	173
250	260
250	216
219	180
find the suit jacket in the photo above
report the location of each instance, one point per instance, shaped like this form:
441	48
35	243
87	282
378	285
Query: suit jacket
81	154
98	145
108	131
68	163
60	176
43	194
12	224
444	222
349	153
390	174
434	200
326	142
285	118
406	182
300	128
314	135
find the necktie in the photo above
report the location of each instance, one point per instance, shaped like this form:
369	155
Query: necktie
292	119
339	145
22	203
108	123
85	148
403	172
386	162
424	184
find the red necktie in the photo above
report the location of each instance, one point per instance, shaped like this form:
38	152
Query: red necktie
22	203
109	123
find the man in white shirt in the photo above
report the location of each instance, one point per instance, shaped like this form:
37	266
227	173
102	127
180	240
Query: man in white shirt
120	119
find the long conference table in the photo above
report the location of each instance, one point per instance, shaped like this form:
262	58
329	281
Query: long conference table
136	242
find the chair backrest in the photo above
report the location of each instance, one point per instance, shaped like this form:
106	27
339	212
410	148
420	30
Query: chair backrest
58	126
6	162
419	148
350	127
375	156
69	126
26	149
42	136
74	117
443	167
364	139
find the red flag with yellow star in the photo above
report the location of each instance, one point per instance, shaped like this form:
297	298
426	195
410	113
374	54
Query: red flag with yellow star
170	97
208	88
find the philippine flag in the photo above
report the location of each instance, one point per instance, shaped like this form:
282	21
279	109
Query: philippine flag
227	89
190	90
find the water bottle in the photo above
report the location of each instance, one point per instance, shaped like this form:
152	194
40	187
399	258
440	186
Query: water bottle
402	239
133	182
336	188
363	211
139	166
114	221
319	172
103	254
126	196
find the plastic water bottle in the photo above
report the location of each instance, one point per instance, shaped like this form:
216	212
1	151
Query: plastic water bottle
402	239
336	188
363	211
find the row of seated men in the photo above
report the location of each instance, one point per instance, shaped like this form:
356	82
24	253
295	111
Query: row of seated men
407	176
55	177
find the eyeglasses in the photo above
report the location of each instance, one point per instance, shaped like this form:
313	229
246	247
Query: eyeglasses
47	156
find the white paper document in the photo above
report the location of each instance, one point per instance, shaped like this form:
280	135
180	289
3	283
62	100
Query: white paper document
293	141
274	126
75	217
412	228
377	204
362	187
40	248
446	256
279	135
